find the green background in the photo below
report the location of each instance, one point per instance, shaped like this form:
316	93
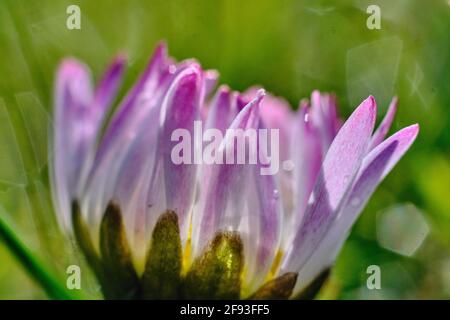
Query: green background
291	48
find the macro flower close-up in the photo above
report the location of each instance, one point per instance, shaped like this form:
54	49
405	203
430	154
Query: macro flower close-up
152	228
224	158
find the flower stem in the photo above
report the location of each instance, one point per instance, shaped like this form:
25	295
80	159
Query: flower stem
32	265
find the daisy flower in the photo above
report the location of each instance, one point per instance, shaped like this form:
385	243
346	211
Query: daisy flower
156	229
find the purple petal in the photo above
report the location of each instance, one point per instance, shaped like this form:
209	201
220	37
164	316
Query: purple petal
325	118
383	128
221	205
180	109
79	114
106	90
276	113
132	114
336	177
223	109
128	171
307	158
132	187
145	89
124	177
262	228
104	95
376	165
74	132
211	77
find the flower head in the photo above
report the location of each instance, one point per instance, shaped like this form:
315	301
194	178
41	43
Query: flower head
153	227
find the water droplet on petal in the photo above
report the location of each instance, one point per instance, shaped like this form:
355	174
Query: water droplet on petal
276	194
312	198
172	69
306	117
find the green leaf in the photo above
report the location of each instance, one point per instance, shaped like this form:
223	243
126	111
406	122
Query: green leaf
35	268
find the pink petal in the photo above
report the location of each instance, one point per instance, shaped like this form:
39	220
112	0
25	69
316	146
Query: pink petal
338	171
180	109
221	205
383	128
376	165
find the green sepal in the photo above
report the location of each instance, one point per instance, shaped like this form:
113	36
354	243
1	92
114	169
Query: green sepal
121	279
84	241
162	273
276	289
216	274
311	291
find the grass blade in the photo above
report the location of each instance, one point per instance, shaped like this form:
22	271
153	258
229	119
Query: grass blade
32	265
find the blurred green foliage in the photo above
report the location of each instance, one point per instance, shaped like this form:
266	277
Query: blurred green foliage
291	47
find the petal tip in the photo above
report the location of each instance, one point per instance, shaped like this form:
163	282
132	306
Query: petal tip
191	74
415	128
370	105
224	89
260	94
371	100
395	99
120	59
70	66
212	74
161	47
411	131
